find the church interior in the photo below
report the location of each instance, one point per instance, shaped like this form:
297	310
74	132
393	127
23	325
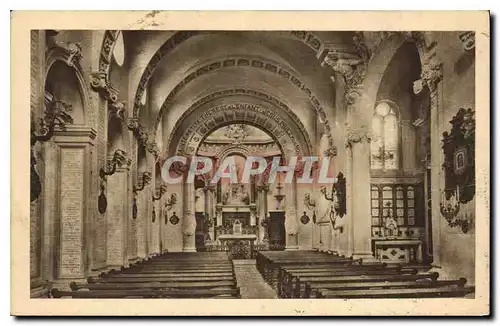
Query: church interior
393	112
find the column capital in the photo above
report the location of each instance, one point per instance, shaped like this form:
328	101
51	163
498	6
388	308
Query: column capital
358	135
330	151
432	73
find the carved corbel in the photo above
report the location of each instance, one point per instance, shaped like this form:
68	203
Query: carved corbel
146	179
152	147
99	83
71	52
432	73
160	192
351	64
469	41
74	51
139	131
116	110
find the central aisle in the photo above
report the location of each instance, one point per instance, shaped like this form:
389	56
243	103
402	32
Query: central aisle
251	283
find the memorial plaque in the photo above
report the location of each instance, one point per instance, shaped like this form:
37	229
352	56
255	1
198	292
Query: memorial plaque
71	223
115	241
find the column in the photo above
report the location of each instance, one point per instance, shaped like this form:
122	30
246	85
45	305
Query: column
117	217
432	73
359	142
189	219
73	211
291	226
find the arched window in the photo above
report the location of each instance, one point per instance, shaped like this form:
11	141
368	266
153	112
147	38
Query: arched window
119	50
384	145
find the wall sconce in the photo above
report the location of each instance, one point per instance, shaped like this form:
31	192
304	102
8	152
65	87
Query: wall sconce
310	205
146	179
162	190
171	201
119	159
337	195
55	115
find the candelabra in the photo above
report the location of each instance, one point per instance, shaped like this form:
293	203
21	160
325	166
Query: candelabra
146	179
450	207
279	196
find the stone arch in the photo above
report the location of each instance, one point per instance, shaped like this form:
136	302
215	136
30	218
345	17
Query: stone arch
254	63
379	61
308	38
188	135
64	60
234	150
247	92
107	47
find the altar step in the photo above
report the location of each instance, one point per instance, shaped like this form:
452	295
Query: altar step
251	283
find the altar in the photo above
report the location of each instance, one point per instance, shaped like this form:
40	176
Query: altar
239	245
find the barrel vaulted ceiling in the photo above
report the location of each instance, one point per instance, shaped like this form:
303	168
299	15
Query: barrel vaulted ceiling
233	66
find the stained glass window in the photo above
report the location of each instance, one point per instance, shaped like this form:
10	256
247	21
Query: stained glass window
384	144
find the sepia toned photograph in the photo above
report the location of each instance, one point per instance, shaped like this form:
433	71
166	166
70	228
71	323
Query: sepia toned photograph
324	165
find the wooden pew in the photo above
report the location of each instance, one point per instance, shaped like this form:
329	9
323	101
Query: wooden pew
430	292
149	293
159	274
294	284
423	283
154	285
312	285
145	279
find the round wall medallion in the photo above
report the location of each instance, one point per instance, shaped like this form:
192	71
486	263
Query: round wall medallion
174	219
304	218
102	203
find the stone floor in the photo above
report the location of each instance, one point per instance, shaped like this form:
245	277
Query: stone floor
251	283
